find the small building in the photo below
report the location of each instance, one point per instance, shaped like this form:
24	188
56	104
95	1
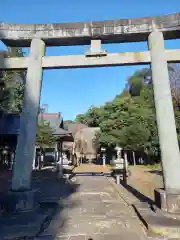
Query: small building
72	128
56	123
10	125
84	144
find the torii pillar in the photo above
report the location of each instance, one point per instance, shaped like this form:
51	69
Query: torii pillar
166	125
22	170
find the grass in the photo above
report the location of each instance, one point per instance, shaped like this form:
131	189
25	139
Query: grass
155	166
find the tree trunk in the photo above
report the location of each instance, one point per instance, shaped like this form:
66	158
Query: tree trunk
134	158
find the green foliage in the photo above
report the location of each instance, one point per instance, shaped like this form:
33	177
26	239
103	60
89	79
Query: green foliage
126	123
129	120
81	118
44	136
68	121
12	86
92	118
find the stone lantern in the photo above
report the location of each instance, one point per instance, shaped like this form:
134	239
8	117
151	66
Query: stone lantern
119	168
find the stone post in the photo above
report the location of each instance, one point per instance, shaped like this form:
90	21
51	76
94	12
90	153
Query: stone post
165	120
104	159
118	178
21	180
56	152
59	163
34	159
125	162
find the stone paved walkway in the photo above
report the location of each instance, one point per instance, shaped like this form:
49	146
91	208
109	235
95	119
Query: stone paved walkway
95	212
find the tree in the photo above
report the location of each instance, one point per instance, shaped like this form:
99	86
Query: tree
68	122
143	77
92	117
174	77
81	118
129	120
45	135
121	116
137	81
12	85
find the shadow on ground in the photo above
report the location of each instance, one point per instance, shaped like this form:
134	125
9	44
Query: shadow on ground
54	196
135	192
157	172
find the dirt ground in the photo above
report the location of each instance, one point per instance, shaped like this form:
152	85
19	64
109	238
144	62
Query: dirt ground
92	168
145	180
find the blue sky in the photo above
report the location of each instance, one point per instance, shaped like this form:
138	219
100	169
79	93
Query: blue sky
74	91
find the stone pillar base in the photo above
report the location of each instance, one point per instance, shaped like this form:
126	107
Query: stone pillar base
118	177
18	201
169	202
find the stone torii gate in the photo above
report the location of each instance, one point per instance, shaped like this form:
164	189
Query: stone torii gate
38	36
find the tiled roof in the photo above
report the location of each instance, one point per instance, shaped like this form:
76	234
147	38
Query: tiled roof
73	128
56	122
10	123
